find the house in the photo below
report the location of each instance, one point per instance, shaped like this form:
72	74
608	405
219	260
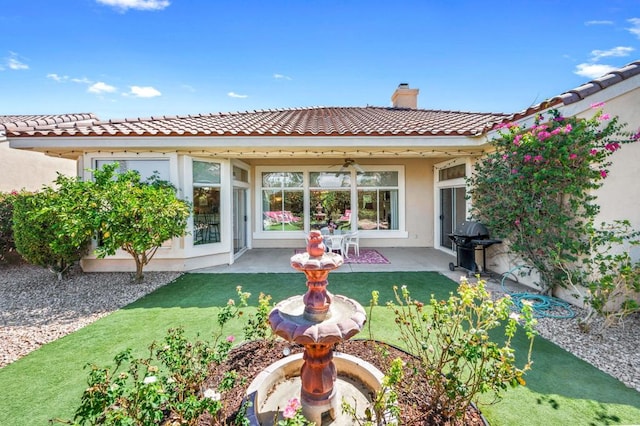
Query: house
23	169
263	179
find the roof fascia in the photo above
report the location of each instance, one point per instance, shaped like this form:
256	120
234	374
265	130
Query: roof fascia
203	142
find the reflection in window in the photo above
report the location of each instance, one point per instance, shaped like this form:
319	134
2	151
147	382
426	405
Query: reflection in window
378	206
206	202
283	201
146	168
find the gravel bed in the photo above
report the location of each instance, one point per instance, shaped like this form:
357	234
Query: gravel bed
35	309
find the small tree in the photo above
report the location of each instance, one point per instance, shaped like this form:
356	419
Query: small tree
536	188
135	216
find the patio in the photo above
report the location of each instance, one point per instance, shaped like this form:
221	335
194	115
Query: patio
400	259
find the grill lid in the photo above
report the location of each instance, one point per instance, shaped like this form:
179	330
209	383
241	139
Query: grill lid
471	229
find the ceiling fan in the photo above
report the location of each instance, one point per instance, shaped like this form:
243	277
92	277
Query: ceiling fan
348	162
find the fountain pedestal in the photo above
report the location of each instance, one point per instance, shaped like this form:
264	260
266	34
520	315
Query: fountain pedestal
318	321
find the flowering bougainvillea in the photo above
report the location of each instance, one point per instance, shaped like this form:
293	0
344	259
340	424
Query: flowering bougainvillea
536	187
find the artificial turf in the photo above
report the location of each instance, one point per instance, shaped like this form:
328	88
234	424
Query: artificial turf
561	389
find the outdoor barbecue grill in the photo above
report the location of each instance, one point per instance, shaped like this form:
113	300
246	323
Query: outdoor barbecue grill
468	237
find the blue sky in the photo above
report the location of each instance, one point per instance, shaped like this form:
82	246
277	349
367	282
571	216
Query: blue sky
137	58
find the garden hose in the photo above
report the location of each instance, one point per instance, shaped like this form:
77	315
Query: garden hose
543	306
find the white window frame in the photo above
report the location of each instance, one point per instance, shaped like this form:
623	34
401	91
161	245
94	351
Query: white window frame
379	234
449	183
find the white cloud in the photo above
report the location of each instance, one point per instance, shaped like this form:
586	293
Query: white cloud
16	64
597	22
635	29
83	80
235	95
143	92
101	87
123	5
56	77
593	70
616	52
281	77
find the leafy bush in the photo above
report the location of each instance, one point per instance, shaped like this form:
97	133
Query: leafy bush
536	188
7	244
454	349
49	228
608	273
167	386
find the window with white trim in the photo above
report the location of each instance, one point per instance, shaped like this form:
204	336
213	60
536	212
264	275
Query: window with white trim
206	202
282	195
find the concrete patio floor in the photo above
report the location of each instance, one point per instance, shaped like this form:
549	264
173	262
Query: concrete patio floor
400	259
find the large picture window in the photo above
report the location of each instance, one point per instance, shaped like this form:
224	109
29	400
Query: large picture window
308	199
378	201
283	201
330	199
206	202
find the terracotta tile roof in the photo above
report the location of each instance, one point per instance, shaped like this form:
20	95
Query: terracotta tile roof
581	92
11	121
315	121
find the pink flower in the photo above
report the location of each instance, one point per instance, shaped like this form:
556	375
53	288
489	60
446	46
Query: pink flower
514	171
527	158
573	156
593	152
291	409
231	339
603	173
557	130
568	128
517	139
604	117
538	158
597	105
636	136
505	156
502	125
543	135
612	146
517	222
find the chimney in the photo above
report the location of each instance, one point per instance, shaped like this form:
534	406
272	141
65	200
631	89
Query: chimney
404	97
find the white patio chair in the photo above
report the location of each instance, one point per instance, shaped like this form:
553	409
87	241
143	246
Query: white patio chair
352	240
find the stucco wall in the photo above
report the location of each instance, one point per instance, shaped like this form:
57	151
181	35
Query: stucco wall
619	197
30	170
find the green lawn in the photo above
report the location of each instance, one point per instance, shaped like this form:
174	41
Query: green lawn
561	389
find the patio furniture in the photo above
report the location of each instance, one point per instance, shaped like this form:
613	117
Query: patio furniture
335	243
352	240
346	217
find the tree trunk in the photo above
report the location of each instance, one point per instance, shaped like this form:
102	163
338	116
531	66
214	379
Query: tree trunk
139	266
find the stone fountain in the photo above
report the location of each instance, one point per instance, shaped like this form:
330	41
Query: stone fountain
317	320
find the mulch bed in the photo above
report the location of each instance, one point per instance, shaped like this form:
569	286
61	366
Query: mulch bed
251	358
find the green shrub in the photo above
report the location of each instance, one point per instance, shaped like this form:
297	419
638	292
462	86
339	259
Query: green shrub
7	244
45	234
454	349
167	387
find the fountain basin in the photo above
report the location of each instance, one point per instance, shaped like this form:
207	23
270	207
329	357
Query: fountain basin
357	381
291	320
